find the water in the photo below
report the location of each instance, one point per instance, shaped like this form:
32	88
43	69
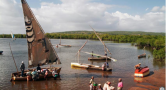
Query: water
74	78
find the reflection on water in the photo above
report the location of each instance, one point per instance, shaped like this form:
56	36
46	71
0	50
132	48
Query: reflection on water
74	78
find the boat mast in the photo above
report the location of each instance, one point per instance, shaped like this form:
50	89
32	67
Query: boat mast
60	40
102	42
80	50
13	58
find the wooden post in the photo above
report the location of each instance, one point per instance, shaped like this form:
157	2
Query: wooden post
13	57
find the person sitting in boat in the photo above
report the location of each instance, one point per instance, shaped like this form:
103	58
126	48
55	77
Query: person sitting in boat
22	68
138	66
29	75
34	75
91	83
104	66
38	68
54	74
46	74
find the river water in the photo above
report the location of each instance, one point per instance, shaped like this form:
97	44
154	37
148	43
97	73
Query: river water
75	78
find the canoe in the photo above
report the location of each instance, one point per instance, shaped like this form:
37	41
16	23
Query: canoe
142	55
80	65
144	72
98	58
1	52
16	76
65	45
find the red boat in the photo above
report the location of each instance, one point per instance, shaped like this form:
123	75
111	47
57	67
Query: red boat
141	73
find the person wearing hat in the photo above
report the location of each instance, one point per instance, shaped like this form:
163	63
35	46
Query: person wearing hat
22	68
138	66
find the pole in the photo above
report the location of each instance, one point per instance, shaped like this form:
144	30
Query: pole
13	57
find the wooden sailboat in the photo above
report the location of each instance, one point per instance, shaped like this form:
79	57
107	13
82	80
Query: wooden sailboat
40	49
101	57
88	66
61	44
142	55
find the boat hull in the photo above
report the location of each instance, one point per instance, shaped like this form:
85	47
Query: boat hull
89	66
16	76
1	52
144	72
79	65
97	58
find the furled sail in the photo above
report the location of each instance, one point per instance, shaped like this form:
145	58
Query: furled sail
40	49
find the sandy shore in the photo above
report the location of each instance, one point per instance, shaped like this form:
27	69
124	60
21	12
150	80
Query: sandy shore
154	81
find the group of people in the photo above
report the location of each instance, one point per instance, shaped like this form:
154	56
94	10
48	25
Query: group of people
34	75
105	66
106	86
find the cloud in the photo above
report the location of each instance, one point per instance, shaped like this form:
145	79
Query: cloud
78	15
158	9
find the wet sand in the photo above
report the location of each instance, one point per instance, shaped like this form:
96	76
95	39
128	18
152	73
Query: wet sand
154	81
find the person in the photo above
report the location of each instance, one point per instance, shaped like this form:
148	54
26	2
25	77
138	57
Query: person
22	67
38	68
91	83
92	54
46	74
29	77
107	65
54	74
138	66
34	75
99	87
105	86
104	66
120	84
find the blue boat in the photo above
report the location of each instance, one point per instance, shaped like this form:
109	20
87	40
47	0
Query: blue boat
1	52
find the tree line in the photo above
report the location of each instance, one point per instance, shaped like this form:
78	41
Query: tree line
157	42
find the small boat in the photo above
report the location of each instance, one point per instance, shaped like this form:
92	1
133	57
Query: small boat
63	45
142	55
40	49
1	52
142	73
16	76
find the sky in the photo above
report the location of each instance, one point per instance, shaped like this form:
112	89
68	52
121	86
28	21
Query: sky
78	15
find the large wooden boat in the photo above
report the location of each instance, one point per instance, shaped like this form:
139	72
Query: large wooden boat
142	55
141	73
16	76
1	52
40	49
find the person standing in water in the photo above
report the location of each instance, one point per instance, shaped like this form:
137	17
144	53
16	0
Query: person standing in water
91	83
120	84
22	68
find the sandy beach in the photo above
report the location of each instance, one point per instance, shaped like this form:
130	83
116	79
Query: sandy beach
154	81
